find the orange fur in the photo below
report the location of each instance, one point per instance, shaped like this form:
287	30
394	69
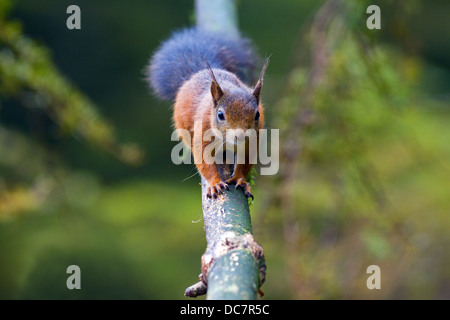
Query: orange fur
194	102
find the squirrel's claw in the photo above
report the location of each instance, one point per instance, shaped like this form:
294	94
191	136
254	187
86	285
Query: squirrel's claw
216	189
249	195
244	185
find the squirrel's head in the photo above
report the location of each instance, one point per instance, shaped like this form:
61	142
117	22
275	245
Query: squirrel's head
237	108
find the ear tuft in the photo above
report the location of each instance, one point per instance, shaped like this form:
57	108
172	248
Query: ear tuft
259	84
216	91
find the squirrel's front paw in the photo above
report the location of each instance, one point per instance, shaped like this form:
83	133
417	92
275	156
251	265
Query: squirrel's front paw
216	189
243	184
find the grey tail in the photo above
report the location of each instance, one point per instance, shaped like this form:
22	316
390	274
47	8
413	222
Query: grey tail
185	53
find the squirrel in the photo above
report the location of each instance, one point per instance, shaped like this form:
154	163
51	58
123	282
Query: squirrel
204	73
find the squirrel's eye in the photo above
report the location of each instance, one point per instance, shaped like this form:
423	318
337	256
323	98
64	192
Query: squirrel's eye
220	115
257	116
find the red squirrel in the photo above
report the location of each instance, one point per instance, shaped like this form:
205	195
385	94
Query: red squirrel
204	72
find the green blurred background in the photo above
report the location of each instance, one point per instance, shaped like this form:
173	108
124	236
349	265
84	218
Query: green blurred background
86	176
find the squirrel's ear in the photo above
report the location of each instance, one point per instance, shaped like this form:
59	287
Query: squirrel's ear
216	91
259	84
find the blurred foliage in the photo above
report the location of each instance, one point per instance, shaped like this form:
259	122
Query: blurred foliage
28	74
367	176
370	183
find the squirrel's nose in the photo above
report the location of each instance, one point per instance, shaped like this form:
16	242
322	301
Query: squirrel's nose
240	135
236	135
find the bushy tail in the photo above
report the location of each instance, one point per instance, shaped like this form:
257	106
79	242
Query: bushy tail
184	54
